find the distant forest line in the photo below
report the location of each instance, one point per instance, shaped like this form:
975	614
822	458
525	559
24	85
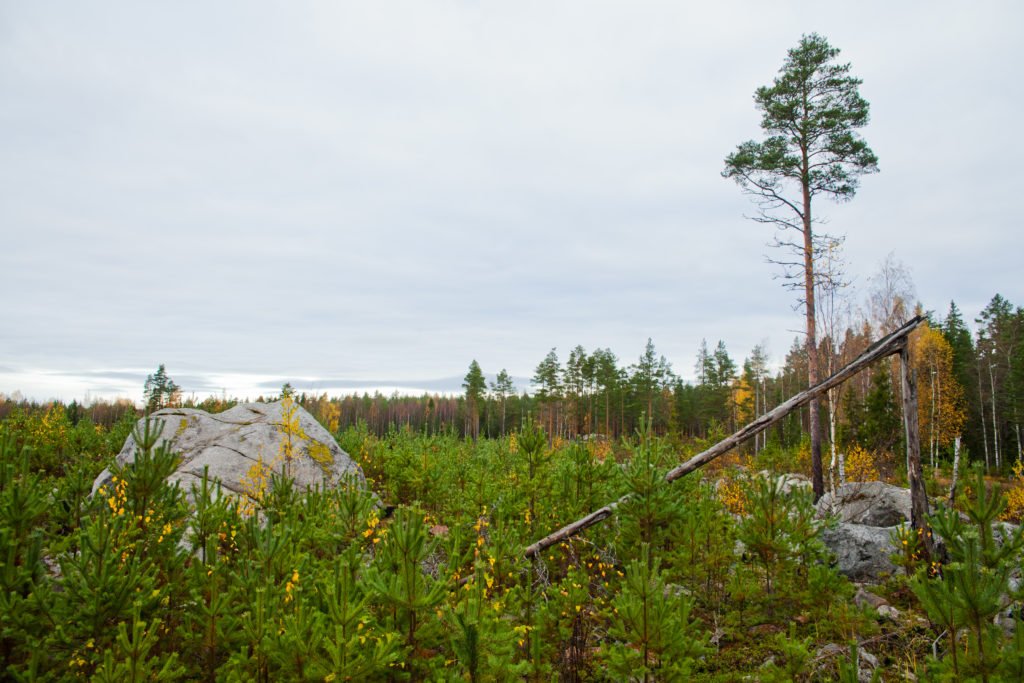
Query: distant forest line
970	386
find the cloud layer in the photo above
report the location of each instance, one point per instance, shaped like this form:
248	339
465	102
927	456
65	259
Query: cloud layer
382	192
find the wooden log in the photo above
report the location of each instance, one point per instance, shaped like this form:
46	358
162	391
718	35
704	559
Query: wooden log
884	347
573	529
918	493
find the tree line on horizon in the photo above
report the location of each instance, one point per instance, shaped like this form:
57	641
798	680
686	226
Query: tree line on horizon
971	386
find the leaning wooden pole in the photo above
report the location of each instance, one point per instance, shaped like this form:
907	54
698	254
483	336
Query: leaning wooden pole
918	494
886	346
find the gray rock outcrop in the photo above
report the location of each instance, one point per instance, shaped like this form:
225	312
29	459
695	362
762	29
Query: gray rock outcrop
871	503
867	512
233	443
862	552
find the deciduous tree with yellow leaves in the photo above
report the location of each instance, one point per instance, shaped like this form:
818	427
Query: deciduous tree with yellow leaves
940	405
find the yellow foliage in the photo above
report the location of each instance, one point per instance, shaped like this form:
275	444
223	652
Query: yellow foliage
599	449
908	548
941	412
743	398
292	430
328	414
731	493
801	463
254	485
732	497
367	446
118	498
257	478
1014	510
860	465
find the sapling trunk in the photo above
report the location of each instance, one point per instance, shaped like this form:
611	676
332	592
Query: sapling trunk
832	439
956	467
981	407
995	426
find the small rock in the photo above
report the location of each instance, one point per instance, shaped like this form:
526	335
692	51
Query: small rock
676	590
863	597
1008	624
830	650
866	661
889	612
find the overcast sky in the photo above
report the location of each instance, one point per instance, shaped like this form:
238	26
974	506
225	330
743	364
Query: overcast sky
360	194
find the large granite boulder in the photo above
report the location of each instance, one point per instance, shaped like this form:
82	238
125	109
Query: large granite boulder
862	552
867	513
871	503
232	445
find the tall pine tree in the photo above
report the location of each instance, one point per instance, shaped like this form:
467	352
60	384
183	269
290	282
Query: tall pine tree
810	115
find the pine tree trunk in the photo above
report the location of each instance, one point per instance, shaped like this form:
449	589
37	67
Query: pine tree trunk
607	415
817	478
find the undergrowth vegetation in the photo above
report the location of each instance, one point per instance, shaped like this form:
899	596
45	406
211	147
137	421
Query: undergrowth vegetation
713	578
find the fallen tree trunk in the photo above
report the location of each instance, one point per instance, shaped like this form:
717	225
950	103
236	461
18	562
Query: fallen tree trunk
886	346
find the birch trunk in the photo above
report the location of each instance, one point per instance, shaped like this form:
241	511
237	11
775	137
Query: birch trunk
956	468
995	424
981	407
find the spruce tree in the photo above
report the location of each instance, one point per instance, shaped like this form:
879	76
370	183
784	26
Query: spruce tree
475	386
160	390
881	426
